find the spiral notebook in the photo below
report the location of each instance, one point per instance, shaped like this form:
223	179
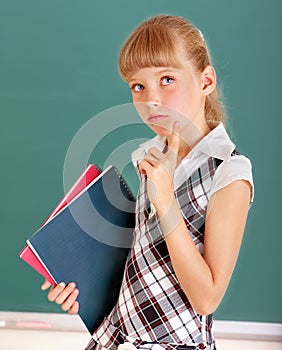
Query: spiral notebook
88	241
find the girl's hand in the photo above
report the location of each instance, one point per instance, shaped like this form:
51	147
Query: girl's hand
159	168
63	294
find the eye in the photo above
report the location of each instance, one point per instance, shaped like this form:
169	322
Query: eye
167	80
137	87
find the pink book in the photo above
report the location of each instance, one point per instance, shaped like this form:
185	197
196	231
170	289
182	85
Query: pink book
89	174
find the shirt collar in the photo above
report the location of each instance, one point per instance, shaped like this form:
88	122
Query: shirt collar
138	155
215	144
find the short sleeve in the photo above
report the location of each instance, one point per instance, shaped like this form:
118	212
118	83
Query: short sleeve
238	167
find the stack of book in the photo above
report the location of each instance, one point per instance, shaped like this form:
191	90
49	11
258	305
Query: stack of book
86	240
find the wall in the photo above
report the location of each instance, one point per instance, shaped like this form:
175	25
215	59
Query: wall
58	70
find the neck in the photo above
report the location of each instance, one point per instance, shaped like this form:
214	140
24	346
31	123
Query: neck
190	135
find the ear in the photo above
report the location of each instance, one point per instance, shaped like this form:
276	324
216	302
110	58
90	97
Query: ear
208	77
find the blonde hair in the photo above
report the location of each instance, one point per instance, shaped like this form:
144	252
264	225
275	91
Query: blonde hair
155	43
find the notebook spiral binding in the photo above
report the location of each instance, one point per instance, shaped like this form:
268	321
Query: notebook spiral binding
124	184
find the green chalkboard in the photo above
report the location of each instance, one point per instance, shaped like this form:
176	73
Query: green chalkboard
58	72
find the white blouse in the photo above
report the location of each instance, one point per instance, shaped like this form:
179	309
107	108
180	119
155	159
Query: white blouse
216	143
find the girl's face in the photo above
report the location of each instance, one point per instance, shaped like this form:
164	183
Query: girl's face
163	95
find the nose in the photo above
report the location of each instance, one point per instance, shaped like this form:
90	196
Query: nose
152	104
153	98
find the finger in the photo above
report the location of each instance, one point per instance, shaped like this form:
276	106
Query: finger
145	167
174	139
62	297
155	152
68	303
151	159
55	291
45	285
74	309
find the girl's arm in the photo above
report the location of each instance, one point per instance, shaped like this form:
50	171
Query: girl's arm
204	278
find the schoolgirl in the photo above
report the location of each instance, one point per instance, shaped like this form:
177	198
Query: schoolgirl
193	201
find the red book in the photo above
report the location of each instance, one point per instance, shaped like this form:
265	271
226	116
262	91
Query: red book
89	174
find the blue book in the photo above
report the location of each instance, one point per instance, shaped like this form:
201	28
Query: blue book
88	243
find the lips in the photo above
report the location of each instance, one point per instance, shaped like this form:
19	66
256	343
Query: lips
154	118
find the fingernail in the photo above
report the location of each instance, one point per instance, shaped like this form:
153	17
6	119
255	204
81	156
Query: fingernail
177	124
72	284
62	284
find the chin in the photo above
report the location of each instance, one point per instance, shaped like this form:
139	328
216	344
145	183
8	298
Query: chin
160	130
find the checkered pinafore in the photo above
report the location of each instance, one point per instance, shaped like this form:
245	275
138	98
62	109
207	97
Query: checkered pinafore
152	311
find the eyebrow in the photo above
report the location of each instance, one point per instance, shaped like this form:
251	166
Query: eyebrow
165	70
169	69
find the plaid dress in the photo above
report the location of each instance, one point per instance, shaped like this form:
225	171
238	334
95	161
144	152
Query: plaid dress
152	311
